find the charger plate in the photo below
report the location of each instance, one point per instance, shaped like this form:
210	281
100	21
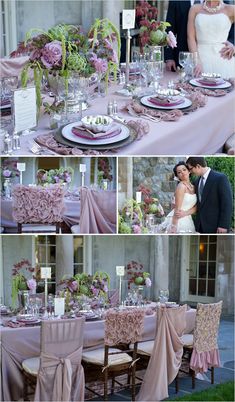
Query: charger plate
60	139
224	85
145	101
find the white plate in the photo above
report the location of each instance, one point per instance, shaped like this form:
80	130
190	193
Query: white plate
67	133
183	105
224	85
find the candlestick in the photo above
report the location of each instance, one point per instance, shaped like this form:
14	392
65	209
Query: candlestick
138	196
46	274
120	271
128	22
82	168
21	168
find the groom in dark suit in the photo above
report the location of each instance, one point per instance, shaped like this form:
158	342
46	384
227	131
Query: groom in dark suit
214	198
177	16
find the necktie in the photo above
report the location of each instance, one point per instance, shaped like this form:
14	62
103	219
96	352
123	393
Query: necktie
201	187
197	2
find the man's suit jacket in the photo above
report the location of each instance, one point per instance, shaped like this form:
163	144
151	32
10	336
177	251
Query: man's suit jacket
177	16
215	208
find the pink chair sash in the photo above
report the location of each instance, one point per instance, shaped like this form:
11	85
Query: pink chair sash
166	356
62	383
98	211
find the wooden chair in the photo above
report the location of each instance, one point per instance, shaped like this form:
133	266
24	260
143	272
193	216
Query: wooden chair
201	349
38	206
121	329
57	373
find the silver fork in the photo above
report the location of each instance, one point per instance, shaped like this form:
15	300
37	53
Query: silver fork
38	150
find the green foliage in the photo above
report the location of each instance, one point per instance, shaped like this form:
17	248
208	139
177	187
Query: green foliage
18	283
221	392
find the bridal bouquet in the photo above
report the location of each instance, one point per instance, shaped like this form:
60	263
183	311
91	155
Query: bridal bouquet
153	32
136	275
21	279
55	176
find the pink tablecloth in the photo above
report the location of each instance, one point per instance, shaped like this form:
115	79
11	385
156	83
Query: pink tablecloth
199	133
71	214
21	343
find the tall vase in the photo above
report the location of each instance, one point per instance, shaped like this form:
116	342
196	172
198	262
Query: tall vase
23	297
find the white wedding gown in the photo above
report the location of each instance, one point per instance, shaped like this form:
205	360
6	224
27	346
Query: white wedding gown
211	31
185	224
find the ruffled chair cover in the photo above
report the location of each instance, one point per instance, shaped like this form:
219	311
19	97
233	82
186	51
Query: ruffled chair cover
205	348
61	375
98	211
125	326
38	204
166	356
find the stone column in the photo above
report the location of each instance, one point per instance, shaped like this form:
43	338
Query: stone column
159	264
64	256
112	9
225	273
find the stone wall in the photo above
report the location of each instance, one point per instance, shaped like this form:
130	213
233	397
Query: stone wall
156	174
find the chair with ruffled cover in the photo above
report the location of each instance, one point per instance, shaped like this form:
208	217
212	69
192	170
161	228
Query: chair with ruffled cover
38	206
201	348
57	372
98	212
121	328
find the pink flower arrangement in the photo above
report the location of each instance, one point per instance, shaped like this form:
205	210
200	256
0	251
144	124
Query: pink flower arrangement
9	169
153	32
136	275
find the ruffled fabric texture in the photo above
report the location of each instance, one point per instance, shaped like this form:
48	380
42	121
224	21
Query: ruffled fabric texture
38	204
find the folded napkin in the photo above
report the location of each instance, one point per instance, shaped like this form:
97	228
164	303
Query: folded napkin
165	102
211	83
14	324
89	135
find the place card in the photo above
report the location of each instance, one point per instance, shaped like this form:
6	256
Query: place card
82	168
128	19
138	197
21	167
120	270
25	109
46	273
59	305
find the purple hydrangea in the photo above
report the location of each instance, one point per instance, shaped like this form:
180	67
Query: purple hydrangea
32	284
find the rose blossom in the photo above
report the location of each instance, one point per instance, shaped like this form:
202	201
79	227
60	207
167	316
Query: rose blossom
6	173
52	54
171	39
31	283
148	282
73	286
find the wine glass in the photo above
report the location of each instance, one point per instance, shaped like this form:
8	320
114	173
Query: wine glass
163	295
183	56
66	92
81	91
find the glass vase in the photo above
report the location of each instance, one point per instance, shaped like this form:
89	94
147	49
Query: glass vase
156	52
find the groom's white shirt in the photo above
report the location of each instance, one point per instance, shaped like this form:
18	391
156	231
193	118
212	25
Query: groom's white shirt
205	175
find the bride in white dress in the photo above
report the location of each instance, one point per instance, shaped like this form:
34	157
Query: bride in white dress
208	28
179	220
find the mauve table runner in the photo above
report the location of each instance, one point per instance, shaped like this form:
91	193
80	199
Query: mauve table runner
21	343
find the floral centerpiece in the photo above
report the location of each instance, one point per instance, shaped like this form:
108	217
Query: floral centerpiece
135	274
9	169
153	32
65	49
150	204
131	218
55	176
104	170
21	279
85	285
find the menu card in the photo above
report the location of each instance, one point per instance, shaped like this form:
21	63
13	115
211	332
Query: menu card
25	109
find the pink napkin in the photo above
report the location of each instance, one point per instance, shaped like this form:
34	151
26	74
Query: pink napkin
164	103
14	324
211	83
112	132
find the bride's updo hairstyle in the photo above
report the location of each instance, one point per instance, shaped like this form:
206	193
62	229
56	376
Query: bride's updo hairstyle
180	163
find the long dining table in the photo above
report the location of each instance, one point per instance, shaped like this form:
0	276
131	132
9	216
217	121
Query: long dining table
202	132
21	343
